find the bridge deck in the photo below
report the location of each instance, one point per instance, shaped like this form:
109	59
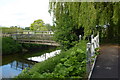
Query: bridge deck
53	44
41	38
45	42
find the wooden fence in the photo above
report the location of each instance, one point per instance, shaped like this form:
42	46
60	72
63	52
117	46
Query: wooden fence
91	46
35	37
32	36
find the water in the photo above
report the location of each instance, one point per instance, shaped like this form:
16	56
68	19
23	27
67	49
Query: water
12	69
45	56
15	67
12	65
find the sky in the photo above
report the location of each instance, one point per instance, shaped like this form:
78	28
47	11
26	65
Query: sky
23	12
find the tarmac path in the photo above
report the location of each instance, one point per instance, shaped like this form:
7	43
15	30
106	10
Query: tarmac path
107	64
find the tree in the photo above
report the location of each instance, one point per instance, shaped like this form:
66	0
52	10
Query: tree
11	30
27	28
77	18
38	25
48	26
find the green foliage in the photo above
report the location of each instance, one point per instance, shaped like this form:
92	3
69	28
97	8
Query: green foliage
49	27
38	25
33	46
72	65
68	64
9	46
97	51
11	30
66	28
69	17
27	28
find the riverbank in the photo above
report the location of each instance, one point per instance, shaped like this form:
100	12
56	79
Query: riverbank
10	46
13	64
67	64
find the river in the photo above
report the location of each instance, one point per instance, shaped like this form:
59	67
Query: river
12	65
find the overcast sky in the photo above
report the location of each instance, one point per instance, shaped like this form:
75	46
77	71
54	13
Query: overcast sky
23	12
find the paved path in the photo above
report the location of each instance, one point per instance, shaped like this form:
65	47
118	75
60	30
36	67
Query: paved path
107	65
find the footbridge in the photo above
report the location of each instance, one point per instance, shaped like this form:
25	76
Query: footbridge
35	37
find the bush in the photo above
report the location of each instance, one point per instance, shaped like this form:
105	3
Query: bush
9	46
68	64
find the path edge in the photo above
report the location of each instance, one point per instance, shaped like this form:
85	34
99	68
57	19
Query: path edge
92	68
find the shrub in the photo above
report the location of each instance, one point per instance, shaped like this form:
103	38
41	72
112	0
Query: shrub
9	46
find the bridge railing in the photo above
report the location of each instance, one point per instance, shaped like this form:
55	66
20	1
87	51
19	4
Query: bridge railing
39	37
34	32
26	32
91	46
33	35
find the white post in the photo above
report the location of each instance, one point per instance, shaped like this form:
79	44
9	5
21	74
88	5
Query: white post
80	37
88	57
98	40
92	46
91	38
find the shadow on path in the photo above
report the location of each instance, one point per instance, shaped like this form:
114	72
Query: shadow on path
107	65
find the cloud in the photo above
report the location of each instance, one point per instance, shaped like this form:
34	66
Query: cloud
24	12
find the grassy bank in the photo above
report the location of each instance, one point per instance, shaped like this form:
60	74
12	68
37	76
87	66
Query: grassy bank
68	64
9	46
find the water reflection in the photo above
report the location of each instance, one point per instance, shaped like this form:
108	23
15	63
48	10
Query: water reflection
14	68
8	72
45	56
20	65
13	64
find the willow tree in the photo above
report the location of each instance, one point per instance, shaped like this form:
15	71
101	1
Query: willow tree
116	20
74	18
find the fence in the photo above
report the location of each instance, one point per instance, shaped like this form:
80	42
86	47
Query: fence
25	33
32	36
36	35
91	46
